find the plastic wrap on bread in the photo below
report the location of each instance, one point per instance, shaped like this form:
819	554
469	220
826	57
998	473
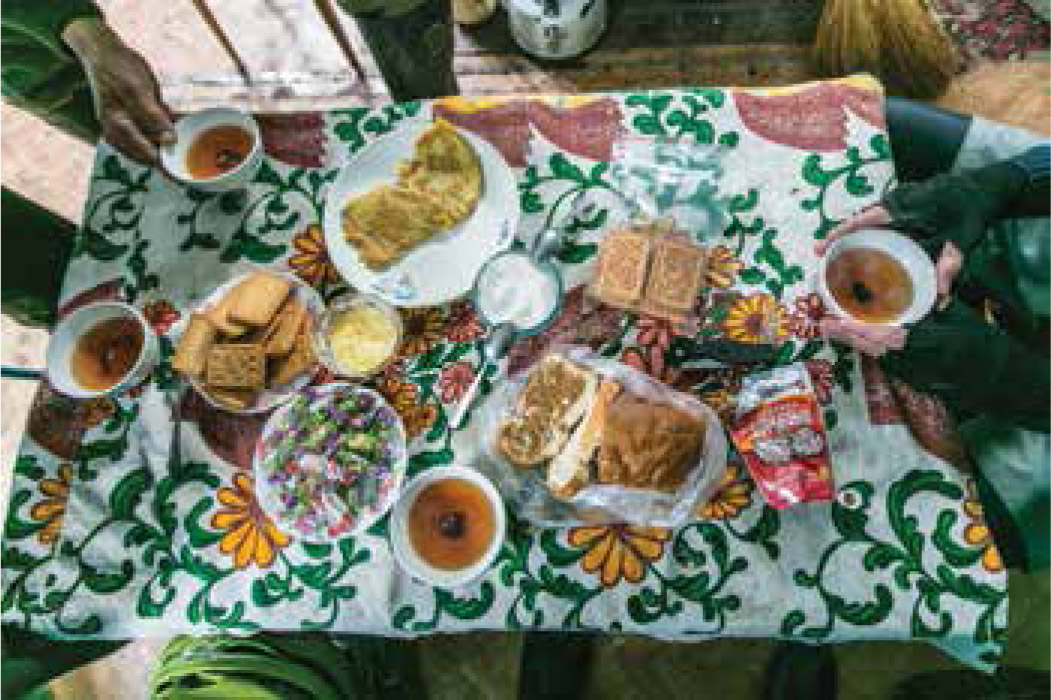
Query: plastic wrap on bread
579	438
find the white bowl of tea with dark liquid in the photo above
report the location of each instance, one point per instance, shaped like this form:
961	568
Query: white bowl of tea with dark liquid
877	276
102	349
448	526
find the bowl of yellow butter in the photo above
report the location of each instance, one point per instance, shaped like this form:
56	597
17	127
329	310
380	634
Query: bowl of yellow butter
358	336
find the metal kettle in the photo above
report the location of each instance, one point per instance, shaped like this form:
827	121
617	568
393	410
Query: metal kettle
556	29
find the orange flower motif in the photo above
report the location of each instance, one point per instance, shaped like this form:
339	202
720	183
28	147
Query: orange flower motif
733	495
404	398
757	318
52	509
619	551
722	267
251	536
311	261
423	328
978	534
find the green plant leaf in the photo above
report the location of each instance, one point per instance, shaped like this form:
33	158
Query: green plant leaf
26	465
558	555
199	537
102	582
432	458
564	169
127	494
266	175
576	253
317	550
752	275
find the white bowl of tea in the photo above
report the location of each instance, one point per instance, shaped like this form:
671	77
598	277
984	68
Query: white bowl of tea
215	149
102	349
877	276
448	526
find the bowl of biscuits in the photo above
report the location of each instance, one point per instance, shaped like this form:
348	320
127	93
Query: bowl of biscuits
247	348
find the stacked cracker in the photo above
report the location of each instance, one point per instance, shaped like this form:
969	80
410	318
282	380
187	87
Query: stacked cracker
256	338
583	429
650	269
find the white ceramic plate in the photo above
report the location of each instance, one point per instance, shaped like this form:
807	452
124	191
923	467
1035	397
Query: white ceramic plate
283	392
444	268
330	516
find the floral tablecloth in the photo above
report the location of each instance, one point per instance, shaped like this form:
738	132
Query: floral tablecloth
105	539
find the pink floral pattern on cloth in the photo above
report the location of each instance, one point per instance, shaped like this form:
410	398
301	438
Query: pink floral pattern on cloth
296	139
580	321
891	401
106	291
588	129
230	436
812	118
997	29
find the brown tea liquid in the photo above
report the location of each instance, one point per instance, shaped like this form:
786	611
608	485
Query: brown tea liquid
451	524
217	150
106	353
869	285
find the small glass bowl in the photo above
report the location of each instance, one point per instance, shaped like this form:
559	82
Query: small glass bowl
323	348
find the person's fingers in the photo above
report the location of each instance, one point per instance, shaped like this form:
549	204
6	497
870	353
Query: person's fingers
122	133
154	121
889	337
869	339
834	329
160	116
950	262
873	216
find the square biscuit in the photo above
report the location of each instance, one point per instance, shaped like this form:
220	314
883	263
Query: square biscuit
258	298
191	354
299	359
236	366
676	274
624	260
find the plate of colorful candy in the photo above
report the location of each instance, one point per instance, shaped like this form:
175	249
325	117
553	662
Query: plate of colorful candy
330	462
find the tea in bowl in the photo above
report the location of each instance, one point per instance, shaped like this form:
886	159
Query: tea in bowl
877	276
448	526
215	149
101	349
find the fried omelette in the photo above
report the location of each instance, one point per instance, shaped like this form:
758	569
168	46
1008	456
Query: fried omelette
437	189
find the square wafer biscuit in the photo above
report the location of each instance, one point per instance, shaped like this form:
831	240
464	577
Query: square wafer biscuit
676	274
622	267
258	298
219	315
237	366
191	354
286	325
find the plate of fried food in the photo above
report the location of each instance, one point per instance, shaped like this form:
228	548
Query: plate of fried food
247	348
414	216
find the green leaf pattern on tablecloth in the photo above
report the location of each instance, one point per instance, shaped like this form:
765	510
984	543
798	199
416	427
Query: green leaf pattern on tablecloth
146	546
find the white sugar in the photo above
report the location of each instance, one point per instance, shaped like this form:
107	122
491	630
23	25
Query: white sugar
513	289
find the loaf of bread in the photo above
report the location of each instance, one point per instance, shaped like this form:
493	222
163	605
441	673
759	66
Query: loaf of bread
570	470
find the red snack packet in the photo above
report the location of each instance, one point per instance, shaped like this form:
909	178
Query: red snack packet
779	433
